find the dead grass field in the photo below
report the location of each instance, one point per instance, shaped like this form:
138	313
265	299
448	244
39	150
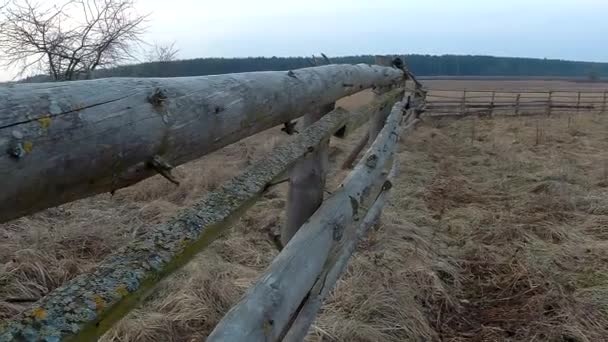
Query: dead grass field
497	230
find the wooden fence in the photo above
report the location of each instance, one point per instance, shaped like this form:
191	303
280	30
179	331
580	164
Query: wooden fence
65	141
499	102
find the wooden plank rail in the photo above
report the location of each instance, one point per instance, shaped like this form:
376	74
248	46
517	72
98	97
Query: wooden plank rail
313	302
66	141
84	308
268	308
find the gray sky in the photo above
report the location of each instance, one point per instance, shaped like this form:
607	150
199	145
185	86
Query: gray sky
562	29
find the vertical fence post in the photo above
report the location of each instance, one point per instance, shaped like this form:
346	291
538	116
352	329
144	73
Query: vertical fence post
492	103
377	121
517	104
578	103
306	182
604	102
463	104
549	103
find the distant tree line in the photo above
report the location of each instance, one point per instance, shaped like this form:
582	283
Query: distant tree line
422	65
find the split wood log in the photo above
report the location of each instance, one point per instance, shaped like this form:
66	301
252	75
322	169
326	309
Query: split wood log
87	306
311	306
267	308
65	141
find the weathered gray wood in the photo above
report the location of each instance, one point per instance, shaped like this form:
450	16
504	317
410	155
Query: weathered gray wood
84	308
328	279
65	141
352	156
306	182
265	311
379	103
377	122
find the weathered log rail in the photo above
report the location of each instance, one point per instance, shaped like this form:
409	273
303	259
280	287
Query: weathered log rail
443	102
66	141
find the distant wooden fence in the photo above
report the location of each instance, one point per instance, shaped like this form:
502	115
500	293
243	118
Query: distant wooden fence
65	141
499	102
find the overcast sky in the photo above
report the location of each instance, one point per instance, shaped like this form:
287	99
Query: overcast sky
563	29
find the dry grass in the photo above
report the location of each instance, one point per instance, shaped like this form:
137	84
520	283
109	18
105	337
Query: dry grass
526	217
494	233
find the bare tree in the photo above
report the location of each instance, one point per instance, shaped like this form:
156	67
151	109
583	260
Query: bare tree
71	40
162	52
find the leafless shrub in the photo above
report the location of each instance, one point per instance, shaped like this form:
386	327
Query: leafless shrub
70	40
162	52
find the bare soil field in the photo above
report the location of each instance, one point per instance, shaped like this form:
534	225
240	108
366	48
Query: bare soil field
497	230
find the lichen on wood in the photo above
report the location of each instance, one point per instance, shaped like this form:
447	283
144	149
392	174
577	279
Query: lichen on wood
85	307
82	138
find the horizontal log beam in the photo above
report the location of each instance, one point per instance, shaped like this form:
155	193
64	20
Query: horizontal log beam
84	308
60	142
266	310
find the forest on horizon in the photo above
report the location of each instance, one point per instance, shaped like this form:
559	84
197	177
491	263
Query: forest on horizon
421	65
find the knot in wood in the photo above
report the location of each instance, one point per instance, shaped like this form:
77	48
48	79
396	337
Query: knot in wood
387	185
338	231
354	204
157	98
372	161
16	149
289	127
